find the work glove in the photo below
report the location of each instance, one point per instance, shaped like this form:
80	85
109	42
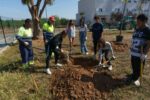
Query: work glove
113	57
86	38
26	43
143	57
46	41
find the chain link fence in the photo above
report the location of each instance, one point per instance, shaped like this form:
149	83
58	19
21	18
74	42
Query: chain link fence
8	29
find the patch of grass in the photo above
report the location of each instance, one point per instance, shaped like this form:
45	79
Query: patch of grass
18	84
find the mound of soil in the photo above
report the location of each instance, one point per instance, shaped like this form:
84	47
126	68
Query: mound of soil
80	83
119	47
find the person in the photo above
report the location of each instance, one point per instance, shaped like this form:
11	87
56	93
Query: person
139	49
97	30
48	32
71	31
55	46
24	37
105	49
83	37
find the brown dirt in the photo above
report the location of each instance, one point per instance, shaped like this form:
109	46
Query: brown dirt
119	47
79	81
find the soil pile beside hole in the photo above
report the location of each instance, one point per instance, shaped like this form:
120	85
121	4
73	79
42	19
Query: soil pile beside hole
80	84
119	47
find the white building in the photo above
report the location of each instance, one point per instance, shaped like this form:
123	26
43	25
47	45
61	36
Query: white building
104	8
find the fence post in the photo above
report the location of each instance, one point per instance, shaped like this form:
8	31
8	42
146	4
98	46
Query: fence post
3	30
14	28
13	25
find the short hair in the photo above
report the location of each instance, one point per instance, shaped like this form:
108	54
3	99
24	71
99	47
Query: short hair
27	21
142	17
96	17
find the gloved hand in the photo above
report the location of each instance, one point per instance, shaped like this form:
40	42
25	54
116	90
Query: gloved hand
113	57
26	43
46	41
143	57
86	38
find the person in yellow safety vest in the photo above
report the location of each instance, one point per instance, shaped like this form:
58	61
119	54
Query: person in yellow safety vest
48	34
24	37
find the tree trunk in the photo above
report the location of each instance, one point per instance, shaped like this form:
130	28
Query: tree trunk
36	29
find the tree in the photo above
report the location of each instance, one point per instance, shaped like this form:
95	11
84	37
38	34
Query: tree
36	9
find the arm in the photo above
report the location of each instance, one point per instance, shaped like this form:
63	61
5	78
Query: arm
111	49
100	56
146	48
101	31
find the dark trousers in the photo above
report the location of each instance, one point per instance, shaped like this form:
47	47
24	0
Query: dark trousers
49	54
95	43
26	52
106	54
136	67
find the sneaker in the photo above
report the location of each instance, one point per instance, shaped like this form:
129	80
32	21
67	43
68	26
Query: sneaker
48	71
137	83
59	65
110	68
86	53
31	62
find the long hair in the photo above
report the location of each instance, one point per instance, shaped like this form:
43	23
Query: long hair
82	22
71	23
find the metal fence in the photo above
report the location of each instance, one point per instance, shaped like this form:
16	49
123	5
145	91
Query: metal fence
8	28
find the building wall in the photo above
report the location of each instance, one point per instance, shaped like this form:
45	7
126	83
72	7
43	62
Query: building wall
104	8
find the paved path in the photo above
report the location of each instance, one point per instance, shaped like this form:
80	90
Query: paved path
9	39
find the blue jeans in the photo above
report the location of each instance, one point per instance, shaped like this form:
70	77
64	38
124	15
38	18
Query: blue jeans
26	52
83	42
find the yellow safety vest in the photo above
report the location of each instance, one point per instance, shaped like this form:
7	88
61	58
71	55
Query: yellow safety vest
48	28
25	33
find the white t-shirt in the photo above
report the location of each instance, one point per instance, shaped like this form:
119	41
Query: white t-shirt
83	29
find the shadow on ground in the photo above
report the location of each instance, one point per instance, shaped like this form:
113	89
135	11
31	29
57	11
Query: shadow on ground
103	81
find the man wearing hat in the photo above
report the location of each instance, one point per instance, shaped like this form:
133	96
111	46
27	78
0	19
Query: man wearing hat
48	33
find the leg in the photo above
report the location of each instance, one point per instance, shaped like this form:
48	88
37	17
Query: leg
30	53
84	42
107	57
85	46
136	64
56	53
95	47
72	41
24	54
70	44
48	57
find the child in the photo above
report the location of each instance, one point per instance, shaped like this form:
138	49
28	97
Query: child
83	37
104	49
55	46
139	49
71	31
24	36
97	30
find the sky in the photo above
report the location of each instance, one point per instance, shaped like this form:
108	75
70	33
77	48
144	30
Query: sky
62	8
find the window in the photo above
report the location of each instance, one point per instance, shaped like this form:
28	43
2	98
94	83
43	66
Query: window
100	10
129	1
